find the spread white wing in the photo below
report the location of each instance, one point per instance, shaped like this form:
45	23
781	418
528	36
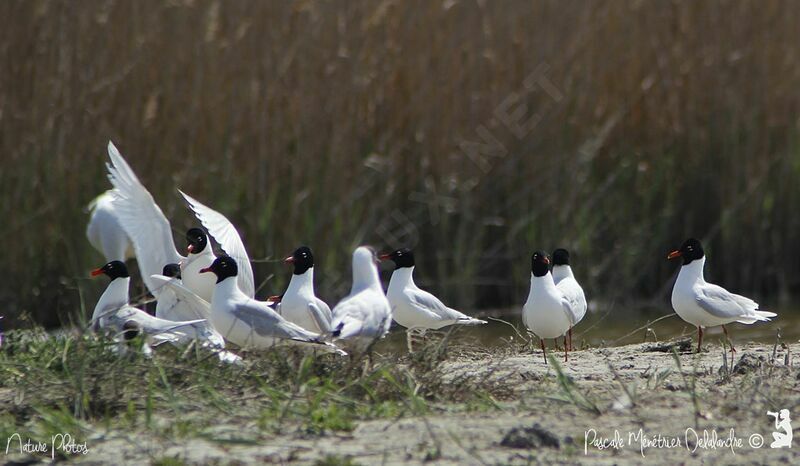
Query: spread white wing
223	231
142	220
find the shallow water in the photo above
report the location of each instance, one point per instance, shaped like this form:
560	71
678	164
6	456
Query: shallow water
608	329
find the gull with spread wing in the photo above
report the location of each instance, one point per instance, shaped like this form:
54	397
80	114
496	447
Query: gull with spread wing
151	233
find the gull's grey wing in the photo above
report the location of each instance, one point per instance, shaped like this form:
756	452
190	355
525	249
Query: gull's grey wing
430	304
565	304
153	325
348	318
267	323
721	303
321	315
574	299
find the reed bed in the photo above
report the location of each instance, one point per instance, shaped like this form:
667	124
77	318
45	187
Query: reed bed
474	131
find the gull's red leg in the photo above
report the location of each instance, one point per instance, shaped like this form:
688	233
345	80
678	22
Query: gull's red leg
733	350
699	338
571	348
544	351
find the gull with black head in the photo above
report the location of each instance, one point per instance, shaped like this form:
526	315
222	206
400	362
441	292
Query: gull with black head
151	233
704	304
566	283
247	322
414	308
547	312
113	312
299	303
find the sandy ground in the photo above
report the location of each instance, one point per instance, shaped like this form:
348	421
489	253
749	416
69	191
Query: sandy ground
533	416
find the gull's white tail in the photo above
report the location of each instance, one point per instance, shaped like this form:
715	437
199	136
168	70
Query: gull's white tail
757	316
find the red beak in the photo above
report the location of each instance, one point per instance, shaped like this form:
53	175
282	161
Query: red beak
384	257
289	260
97	272
674	254
189	248
207	269
547	260
275	299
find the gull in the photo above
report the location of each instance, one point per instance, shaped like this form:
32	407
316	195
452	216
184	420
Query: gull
364	316
113	312
547	312
249	323
104	231
566	283
151	233
153	236
703	304
178	303
223	231
414	308
299	304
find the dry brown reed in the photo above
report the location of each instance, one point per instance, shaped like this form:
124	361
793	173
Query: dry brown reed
317	122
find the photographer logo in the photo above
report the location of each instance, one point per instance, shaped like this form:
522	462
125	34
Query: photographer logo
783	429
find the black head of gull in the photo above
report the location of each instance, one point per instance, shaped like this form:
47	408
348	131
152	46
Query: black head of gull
540	264
172	271
197	240
402	258
302	259
690	250
560	257
223	267
114	269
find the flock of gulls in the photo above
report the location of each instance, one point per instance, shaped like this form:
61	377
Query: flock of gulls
210	300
